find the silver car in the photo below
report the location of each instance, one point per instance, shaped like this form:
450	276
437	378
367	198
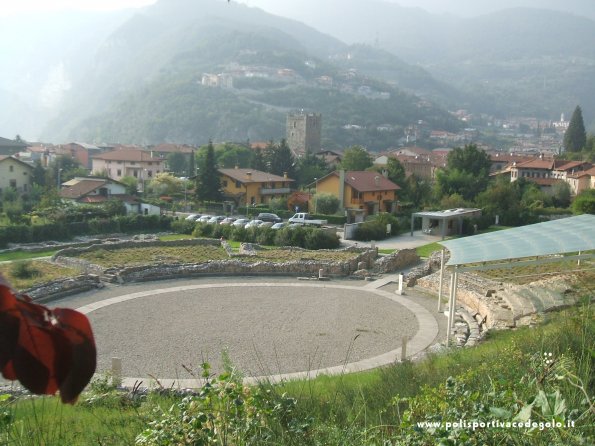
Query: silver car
240	222
253	224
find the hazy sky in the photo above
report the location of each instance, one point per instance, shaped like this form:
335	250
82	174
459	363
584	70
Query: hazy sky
11	7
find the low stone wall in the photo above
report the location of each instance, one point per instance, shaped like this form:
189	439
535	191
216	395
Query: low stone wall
475	293
396	261
63	287
70	252
233	266
428	267
229	267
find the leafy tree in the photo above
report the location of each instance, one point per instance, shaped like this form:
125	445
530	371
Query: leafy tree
453	201
310	167
131	184
13	210
39	175
208	185
575	137
177	163
114	207
165	184
326	204
9	195
533	197
584	203
356	158
281	160
417	191
466	173
469	159
396	171
231	155
66	168
561	194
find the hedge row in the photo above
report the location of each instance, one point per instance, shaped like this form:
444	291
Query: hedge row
376	229
303	237
65	231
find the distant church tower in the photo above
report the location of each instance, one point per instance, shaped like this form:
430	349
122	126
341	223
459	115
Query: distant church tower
303	132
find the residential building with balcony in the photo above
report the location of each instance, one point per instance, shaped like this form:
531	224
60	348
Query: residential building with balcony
360	190
140	164
251	187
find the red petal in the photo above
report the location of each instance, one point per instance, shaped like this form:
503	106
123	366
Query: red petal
42	355
77	329
9	326
8	371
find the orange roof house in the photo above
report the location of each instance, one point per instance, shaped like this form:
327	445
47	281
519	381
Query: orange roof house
366	190
249	186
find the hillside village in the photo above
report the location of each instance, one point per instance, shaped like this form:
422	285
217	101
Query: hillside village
236	228
535	157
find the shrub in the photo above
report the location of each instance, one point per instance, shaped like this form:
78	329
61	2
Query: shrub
370	230
283	237
202	230
265	236
376	229
183	226
239	234
320	239
326	203
15	234
24	270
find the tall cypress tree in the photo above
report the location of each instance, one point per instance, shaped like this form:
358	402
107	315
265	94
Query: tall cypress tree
208	184
575	138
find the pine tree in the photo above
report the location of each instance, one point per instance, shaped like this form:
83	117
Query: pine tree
282	160
575	138
208	185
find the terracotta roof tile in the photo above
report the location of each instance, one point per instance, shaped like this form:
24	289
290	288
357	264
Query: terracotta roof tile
81	188
367	181
128	155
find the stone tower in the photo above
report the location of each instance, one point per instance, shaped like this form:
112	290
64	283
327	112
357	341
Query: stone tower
303	132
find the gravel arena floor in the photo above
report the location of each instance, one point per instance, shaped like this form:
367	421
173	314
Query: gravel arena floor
263	329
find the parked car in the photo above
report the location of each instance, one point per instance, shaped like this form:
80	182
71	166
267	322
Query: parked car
216	219
193	217
278	225
266	224
240	222
253	224
273	218
227	221
204	218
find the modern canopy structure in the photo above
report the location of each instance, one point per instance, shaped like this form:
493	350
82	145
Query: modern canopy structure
537	244
444	222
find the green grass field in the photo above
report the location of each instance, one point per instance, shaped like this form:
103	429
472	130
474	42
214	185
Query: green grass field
22	255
